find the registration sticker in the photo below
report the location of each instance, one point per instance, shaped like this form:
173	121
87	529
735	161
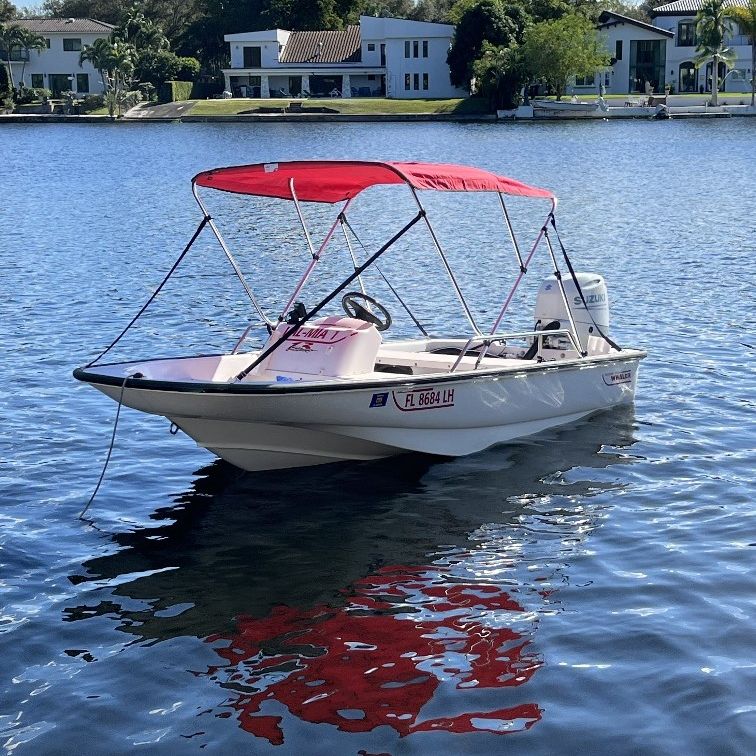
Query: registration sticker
379	400
614	379
423	399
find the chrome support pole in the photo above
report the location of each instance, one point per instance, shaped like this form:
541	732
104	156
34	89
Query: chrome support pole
508	300
313	262
231	259
354	259
460	296
301	217
511	230
558	275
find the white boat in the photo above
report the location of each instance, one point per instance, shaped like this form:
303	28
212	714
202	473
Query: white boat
564	106
326	388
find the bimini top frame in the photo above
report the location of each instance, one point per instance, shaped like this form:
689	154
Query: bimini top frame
329	181
341	181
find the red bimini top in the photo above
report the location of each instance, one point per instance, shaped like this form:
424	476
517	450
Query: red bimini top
339	180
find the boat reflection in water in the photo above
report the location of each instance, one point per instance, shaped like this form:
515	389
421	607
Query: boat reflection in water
405	593
405	633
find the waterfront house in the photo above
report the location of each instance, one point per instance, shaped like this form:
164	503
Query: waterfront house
638	57
57	66
386	57
679	17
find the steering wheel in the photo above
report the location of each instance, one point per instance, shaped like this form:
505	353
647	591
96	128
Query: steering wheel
355	310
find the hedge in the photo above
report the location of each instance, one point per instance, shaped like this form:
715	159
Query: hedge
177	91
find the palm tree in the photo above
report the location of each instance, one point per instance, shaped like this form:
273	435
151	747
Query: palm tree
745	16
30	40
97	54
712	24
120	66
10	35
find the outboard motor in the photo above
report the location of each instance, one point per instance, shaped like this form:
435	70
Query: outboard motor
550	307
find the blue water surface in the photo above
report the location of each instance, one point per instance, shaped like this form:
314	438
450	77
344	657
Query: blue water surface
587	590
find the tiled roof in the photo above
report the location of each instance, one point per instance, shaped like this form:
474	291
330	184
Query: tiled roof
610	18
64	25
323	46
681	7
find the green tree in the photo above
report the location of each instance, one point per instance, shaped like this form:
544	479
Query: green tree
10	38
553	51
480	21
110	11
120	69
98	54
499	73
712	25
30	40
115	62
638	12
140	31
302	14
745	17
388	8
156	66
189	69
7	10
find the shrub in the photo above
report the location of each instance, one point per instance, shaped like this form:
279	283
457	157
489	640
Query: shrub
189	71
42	94
156	66
148	91
24	95
92	102
176	91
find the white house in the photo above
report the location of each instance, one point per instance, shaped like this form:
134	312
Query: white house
638	53
57	67
679	17
387	57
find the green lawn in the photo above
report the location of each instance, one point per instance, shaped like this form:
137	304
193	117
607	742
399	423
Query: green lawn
367	105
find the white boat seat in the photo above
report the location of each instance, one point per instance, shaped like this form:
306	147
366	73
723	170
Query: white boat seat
337	347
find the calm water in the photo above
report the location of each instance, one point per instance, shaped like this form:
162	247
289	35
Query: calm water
588	590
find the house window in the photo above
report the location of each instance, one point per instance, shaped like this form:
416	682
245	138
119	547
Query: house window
416	82
19	53
371	77
47	42
407	83
425	81
415	49
371	46
71	44
686	34
252	57
688	77
425	48
37	81
618	50
82	83
585	81
406	48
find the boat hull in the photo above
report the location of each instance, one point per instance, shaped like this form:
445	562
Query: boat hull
259	428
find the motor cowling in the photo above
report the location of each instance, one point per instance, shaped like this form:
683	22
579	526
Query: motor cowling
550	307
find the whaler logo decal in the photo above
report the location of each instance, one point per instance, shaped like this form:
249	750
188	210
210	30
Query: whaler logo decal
423	399
300	346
613	379
379	400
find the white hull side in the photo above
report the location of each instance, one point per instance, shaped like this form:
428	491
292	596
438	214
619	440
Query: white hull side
259	431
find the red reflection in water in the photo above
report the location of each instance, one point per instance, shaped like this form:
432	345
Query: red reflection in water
377	661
